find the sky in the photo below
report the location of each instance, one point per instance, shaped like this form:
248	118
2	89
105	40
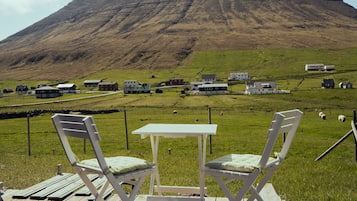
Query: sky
16	15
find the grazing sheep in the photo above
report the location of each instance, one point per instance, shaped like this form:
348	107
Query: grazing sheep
341	118
322	115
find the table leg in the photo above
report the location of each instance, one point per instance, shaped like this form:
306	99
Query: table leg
201	160
156	176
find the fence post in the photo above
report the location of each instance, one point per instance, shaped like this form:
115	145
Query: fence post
28	135
126	130
84	145
210	136
355	121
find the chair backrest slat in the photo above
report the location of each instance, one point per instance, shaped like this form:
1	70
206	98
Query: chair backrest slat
285	122
79	126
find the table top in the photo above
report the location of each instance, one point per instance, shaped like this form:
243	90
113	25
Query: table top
175	130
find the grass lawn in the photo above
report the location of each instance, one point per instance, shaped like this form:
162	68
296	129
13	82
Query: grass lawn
242	122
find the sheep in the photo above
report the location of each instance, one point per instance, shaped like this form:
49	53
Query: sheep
322	115
341	118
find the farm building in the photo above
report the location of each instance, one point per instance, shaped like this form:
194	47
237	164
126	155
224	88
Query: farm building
314	67
134	87
67	88
194	85
47	92
209	78
108	86
92	83
213	89
263	88
345	85
176	81
329	67
238	76
328	83
7	91
21	89
319	67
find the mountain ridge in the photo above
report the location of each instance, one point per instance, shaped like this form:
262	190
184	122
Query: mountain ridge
85	37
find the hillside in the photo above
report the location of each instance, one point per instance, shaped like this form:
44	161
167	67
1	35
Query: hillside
90	36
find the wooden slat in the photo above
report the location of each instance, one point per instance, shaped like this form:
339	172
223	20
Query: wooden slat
41	195
85	191
68	189
22	194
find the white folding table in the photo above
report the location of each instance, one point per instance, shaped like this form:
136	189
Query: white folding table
155	131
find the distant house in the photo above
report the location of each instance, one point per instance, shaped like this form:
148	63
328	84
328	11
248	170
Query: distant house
176	81
213	89
194	85
108	86
92	83
345	85
329	67
319	67
263	88
7	91
47	92
328	83
134	87
21	89
238	76
209	78
67	88
314	67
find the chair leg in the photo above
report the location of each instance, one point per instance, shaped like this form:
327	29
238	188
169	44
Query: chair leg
261	184
248	182
102	191
136	188
121	193
87	182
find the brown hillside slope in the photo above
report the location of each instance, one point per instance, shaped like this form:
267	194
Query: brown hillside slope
88	36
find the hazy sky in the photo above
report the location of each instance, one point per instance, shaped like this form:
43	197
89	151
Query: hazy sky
16	15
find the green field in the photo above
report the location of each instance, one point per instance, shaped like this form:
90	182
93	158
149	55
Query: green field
242	122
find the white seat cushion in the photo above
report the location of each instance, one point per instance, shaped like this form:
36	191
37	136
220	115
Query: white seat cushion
120	164
237	162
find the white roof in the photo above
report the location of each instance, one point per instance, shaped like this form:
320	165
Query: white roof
215	85
65	85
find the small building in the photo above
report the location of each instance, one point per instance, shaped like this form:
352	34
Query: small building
194	85
47	92
263	88
329	67
176	81
319	67
314	67
22	89
213	89
134	87
345	85
328	83
67	88
209	78
7	91
92	83
108	86
238	76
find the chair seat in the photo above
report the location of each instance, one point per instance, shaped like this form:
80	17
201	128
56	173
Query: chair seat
237	162
120	164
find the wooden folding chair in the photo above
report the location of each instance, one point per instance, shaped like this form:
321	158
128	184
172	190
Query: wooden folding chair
117	170
247	167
